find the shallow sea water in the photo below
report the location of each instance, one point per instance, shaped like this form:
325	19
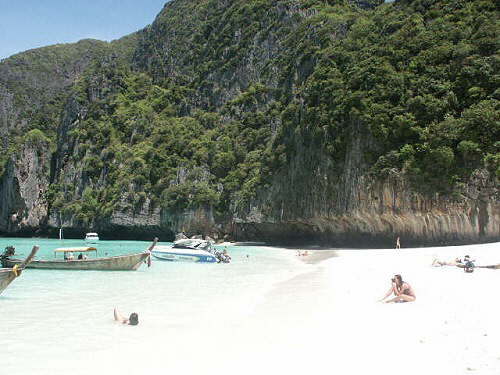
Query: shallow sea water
54	321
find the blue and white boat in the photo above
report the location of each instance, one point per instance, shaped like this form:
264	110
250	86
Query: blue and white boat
187	250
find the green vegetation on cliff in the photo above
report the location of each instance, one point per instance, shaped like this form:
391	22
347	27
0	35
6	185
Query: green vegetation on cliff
423	77
205	107
34	87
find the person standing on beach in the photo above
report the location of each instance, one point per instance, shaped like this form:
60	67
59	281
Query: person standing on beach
398	244
402	290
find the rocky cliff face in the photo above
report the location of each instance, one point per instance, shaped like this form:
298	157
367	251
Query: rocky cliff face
24	207
310	202
380	212
33	85
282	125
238	44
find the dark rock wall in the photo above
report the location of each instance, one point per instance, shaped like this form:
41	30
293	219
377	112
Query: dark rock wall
311	202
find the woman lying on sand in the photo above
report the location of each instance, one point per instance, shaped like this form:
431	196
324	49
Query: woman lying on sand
439	263
401	289
133	320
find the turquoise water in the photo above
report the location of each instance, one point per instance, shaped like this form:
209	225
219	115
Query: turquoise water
52	320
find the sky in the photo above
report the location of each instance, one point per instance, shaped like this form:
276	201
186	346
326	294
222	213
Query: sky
27	24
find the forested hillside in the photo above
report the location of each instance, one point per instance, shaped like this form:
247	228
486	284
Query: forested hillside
343	122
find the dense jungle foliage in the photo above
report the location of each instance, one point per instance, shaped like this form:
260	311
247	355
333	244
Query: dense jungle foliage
36	85
423	75
217	95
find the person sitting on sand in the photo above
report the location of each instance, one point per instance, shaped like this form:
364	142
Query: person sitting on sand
402	290
80	256
133	320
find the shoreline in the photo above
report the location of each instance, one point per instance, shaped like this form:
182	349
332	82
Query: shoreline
376	241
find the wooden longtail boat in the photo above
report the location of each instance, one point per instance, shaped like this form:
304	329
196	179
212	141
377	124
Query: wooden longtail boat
7	275
129	262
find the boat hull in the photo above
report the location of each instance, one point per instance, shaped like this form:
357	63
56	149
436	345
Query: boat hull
6	277
204	257
117	263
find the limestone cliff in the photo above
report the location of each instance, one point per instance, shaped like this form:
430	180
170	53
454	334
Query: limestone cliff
32	86
338	122
24	185
310	202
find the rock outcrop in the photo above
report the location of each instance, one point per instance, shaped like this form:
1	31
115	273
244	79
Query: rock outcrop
23	189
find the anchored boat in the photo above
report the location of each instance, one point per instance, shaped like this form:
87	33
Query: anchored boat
91	238
7	275
187	250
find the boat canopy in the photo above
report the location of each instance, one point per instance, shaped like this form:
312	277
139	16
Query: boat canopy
74	249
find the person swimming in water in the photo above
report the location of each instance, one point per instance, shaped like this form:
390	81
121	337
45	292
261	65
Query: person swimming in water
133	319
402	290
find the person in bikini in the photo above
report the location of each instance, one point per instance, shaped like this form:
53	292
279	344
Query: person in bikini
401	289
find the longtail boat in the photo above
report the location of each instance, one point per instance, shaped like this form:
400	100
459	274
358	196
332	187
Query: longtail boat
7	275
130	262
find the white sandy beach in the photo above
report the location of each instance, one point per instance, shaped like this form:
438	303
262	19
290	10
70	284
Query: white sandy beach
452	328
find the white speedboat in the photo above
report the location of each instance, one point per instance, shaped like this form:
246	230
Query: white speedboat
91	237
187	250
